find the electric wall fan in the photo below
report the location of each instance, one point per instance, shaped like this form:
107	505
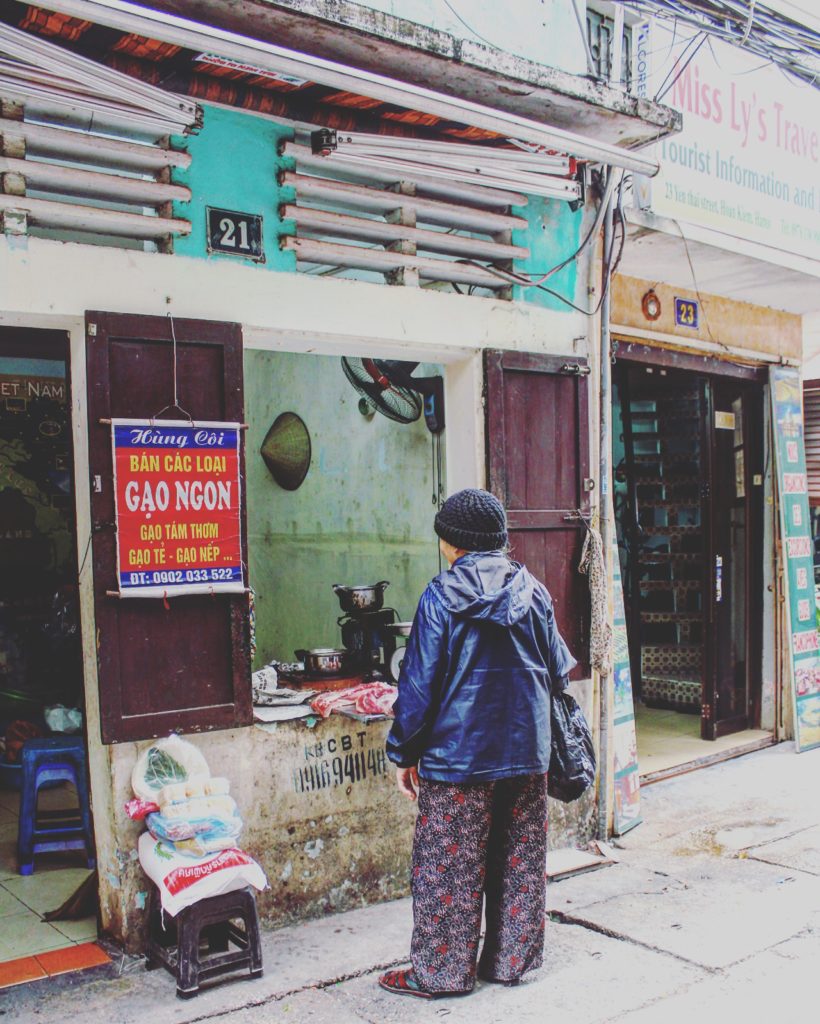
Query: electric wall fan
389	385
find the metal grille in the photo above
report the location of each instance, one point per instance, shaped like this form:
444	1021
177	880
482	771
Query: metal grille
600	30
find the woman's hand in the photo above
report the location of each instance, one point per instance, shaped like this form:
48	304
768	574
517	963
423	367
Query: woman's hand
407	779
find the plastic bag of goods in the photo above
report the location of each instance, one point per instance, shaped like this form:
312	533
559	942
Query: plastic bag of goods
166	762
182	881
201	833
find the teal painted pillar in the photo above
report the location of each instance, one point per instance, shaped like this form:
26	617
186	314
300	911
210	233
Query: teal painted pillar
235	166
552	234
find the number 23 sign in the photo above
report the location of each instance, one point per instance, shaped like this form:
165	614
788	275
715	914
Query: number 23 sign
238	234
686	313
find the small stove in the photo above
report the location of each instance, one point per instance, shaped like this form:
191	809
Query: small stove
370	643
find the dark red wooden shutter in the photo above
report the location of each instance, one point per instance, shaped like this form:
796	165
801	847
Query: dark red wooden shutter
185	668
537	464
811	420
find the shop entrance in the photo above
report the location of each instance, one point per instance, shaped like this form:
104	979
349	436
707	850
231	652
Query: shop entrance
688	457
41	679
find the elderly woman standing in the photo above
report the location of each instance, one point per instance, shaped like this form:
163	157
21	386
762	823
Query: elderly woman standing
471	739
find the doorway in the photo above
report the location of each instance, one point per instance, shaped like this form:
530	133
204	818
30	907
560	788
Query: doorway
41	677
688	457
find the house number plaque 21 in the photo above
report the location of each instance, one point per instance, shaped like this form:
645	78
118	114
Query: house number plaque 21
238	234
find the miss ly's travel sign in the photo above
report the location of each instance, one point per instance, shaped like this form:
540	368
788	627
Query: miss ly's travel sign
177	492
747	162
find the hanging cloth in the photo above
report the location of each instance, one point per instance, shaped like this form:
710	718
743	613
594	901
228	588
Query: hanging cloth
600	631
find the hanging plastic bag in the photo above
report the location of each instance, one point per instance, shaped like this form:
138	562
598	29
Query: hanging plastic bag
572	760
59	718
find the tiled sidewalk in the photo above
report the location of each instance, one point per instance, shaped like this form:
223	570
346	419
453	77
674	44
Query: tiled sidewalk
23	900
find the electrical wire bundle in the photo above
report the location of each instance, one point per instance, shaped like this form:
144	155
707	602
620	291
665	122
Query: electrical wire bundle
745	23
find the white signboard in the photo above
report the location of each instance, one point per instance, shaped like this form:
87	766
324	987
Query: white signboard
748	160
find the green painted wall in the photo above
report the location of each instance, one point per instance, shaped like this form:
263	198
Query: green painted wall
552	234
364	512
235	166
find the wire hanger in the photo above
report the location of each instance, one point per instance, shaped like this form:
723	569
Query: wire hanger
175	404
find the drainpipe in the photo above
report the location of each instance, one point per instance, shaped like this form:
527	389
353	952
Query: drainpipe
604	506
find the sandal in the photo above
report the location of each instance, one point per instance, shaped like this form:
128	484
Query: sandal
403	983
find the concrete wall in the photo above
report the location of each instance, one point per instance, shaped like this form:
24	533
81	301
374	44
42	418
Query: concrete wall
364	512
545	32
234	165
552	236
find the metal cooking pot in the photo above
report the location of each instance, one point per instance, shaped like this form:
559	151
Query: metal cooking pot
323	661
355	600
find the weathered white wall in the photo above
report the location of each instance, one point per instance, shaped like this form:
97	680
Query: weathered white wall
544	31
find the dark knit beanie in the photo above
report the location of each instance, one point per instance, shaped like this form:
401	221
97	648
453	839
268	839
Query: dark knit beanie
472	520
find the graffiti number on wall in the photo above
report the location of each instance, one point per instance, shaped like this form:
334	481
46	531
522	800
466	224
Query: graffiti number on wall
338	762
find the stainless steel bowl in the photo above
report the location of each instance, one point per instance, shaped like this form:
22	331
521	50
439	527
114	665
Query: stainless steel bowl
323	661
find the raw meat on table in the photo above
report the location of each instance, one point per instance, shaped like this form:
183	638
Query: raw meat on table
368	699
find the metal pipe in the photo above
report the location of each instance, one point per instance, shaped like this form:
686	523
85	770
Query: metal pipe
94	184
130	17
459	170
362	258
479	195
44	102
345	226
82	147
48	214
431	211
520	158
53	60
604	506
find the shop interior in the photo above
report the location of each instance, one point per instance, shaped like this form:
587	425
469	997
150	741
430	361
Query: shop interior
688	507
40	652
687	492
345	471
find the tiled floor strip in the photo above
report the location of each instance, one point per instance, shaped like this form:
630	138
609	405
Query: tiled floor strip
47	965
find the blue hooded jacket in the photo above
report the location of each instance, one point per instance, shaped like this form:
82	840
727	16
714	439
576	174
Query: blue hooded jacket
482	660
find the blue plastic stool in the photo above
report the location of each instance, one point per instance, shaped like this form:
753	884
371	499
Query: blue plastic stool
56	759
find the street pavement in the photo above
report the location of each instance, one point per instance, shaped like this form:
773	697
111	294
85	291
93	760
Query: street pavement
711	914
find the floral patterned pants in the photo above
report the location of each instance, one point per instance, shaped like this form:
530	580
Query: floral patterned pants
478	841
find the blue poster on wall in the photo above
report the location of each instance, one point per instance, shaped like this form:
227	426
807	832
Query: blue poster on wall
627	783
798	554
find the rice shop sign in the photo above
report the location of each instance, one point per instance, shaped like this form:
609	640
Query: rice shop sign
177	492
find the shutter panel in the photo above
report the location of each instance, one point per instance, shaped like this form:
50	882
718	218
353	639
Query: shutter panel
186	667
811	420
537	462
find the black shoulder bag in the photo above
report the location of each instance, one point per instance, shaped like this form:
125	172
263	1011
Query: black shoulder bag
572	760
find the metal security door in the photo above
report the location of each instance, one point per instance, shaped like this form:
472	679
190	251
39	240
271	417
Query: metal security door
734	630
